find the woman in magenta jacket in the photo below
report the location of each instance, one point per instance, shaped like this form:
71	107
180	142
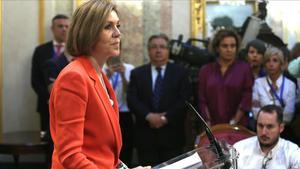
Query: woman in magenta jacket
225	86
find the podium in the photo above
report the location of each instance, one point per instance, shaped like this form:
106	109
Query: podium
203	158
218	155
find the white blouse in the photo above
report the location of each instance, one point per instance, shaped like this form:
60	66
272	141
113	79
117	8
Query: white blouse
263	95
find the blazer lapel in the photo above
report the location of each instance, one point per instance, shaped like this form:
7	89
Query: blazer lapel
112	111
49	50
114	108
148	83
111	93
166	80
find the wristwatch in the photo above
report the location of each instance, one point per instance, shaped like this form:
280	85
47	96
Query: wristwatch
121	165
163	118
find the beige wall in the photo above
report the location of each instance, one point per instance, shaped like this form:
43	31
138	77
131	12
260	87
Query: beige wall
285	23
20	35
181	25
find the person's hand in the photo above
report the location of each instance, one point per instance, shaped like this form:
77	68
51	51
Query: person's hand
232	122
208	122
237	117
117	68
155	120
141	167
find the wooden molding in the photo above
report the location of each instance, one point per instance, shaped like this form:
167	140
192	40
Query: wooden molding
1	73
198	18
198	15
79	2
41	21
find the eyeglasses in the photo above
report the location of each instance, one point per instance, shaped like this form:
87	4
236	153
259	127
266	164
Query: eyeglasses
266	160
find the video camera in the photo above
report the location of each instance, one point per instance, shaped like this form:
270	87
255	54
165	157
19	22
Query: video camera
189	55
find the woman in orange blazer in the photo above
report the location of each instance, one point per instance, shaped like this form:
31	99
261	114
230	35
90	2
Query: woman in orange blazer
84	119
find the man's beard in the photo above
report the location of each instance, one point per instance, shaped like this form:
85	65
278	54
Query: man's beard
272	144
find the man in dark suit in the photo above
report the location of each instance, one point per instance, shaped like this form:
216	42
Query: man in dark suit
42	53
156	95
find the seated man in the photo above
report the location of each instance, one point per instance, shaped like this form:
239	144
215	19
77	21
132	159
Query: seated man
267	150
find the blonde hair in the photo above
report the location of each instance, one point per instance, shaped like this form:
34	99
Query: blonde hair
87	22
271	51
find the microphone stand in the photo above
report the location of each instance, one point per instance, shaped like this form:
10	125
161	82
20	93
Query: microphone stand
211	138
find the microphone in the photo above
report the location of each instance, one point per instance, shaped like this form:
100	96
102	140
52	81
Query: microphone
211	137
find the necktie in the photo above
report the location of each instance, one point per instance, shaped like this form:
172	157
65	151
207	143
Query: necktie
58	49
157	89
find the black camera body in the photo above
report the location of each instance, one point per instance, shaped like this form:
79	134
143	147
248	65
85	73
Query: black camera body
190	56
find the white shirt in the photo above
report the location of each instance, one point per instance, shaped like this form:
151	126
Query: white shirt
116	82
55	43
154	73
100	77
262	94
285	155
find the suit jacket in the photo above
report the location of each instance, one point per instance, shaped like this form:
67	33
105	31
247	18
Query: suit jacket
41	54
53	67
175	92
84	126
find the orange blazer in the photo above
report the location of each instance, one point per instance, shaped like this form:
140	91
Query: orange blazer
84	126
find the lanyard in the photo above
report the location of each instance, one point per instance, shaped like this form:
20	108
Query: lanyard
280	99
115	80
